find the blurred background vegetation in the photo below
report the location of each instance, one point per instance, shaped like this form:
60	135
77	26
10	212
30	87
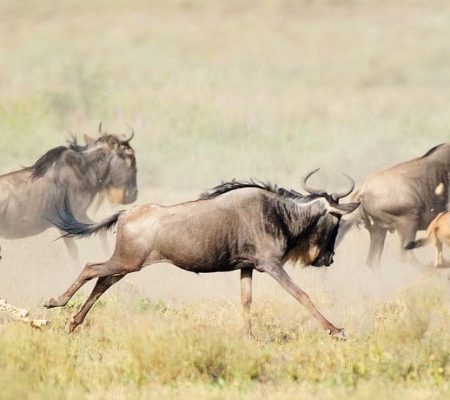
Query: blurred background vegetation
223	89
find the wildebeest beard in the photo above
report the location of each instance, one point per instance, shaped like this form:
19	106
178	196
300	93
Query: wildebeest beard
310	233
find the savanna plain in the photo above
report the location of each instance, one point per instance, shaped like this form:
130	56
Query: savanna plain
217	90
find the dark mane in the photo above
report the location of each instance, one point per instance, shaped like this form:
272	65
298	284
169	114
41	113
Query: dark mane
43	164
73	144
432	150
225	187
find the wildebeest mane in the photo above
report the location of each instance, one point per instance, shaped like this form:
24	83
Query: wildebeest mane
73	144
44	163
432	150
225	187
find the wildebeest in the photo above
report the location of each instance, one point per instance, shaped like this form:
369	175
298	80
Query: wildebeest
30	197
404	198
438	233
246	226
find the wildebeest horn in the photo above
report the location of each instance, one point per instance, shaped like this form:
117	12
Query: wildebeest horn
339	195
309	189
131	135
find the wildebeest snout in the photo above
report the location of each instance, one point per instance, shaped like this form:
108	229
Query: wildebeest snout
323	261
130	195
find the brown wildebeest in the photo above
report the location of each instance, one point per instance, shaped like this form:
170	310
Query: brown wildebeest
438	233
31	196
246	226
404	198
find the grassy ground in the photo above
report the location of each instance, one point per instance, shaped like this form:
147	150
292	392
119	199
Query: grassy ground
145	349
217	90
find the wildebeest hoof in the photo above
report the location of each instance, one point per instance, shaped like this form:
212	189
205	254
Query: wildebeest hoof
51	302
72	325
339	335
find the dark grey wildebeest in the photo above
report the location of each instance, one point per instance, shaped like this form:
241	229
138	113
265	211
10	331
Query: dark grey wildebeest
246	226
404	198
31	196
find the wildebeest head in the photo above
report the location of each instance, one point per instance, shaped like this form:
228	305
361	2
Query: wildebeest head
322	240
116	166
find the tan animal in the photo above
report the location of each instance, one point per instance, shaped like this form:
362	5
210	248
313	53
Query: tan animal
438	233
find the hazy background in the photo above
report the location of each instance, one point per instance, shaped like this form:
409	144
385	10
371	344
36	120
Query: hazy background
218	90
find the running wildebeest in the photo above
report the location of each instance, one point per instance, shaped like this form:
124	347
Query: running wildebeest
404	198
438	233
246	226
31	196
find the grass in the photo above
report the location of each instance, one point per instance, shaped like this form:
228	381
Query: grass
198	349
219	90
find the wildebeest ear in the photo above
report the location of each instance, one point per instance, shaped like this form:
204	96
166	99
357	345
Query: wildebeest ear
342	209
88	139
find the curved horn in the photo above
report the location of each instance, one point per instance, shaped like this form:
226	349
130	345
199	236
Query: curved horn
131	135
339	195
309	189
100	130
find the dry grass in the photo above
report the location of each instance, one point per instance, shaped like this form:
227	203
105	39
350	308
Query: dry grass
217	90
133	349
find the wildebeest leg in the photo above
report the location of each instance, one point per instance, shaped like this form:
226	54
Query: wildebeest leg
71	247
377	238
246	297
104	241
407	233
279	274
344	227
89	272
102	285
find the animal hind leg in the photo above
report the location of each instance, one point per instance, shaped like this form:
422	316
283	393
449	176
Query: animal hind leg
71	247
280	275
102	285
104	241
246	297
377	238
407	234
438	261
90	271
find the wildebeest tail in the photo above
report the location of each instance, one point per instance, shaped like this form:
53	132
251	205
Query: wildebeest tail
66	222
